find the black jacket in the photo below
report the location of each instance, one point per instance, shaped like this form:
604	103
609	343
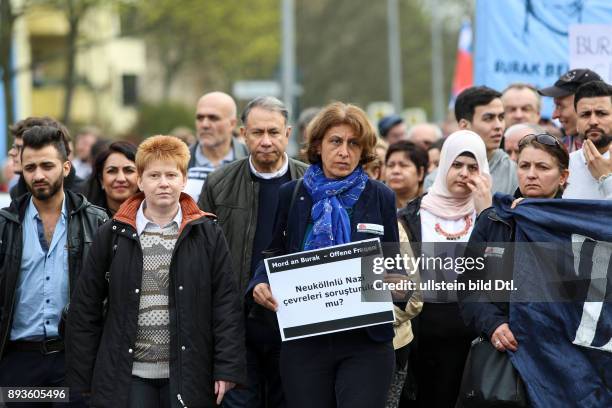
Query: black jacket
83	222
231	194
410	218
206	325
492	237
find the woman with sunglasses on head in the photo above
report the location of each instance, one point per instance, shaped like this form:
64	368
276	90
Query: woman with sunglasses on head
542	170
433	222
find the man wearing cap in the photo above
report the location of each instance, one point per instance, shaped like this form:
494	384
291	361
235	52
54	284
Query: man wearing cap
392	128
563	93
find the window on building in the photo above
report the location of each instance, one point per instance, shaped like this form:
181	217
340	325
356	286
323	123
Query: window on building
130	89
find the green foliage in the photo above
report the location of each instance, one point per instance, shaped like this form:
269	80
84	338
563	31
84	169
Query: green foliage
226	40
342	51
161	118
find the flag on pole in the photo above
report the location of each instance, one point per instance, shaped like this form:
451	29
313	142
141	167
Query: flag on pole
464	77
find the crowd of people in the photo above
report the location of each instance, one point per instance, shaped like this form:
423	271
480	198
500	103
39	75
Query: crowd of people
134	274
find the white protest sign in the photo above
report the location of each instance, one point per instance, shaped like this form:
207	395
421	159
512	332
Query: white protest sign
591	47
322	291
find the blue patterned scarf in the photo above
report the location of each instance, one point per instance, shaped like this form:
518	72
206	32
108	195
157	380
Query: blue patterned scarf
331	198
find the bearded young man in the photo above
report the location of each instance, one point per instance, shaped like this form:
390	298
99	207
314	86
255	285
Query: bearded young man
44	240
591	167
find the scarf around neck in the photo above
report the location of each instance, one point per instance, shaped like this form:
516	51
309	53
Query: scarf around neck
331	198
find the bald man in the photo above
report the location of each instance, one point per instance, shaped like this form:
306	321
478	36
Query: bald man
515	133
215	119
424	135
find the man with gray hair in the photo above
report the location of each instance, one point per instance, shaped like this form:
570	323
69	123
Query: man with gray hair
215	119
424	135
521	104
244	196
515	133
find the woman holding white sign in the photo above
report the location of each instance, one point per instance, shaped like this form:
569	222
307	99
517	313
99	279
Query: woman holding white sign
444	216
347	368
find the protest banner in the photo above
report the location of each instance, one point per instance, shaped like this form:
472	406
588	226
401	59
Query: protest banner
591	46
529	40
322	291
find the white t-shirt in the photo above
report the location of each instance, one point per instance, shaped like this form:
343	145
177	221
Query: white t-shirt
581	183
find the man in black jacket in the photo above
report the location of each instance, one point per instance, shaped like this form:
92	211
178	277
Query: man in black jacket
44	238
244	195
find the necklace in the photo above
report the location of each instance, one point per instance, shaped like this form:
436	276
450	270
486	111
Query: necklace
453	236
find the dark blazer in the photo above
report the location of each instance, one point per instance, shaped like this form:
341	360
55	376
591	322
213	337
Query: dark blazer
376	205
480	314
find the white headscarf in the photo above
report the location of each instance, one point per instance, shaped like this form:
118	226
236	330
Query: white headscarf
439	200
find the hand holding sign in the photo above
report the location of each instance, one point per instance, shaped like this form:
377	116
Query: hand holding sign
327	290
263	295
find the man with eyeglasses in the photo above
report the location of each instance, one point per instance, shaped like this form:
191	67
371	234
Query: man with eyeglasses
591	167
244	196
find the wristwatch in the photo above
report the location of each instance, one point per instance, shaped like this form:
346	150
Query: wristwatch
604	177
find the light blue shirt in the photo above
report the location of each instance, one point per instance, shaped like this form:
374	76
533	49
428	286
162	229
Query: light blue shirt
42	287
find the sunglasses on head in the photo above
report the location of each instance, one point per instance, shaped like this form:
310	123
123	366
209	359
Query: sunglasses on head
543	138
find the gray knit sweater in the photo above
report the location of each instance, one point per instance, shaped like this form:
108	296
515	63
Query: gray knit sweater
151	352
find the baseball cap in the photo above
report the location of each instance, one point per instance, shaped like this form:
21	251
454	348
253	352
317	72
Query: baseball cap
569	82
386	123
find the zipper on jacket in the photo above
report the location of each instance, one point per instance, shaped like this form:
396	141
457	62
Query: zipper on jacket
248	231
12	303
178	319
180	399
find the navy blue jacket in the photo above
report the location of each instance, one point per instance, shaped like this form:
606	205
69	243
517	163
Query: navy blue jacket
492	239
376	205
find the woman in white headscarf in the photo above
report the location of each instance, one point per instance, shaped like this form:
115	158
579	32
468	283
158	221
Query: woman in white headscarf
446	214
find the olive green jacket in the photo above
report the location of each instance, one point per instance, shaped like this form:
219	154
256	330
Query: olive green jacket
231	194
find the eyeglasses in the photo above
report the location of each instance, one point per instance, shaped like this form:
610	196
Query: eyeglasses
543	138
